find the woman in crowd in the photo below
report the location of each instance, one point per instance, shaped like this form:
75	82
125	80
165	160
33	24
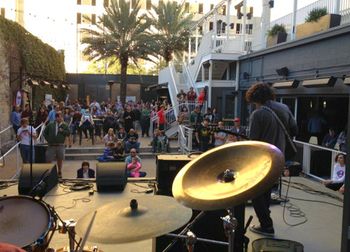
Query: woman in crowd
109	137
338	175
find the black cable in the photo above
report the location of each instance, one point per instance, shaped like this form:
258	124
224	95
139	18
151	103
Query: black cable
5	185
309	190
295	211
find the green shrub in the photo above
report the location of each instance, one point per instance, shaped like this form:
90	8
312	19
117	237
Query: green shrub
39	60
276	29
315	14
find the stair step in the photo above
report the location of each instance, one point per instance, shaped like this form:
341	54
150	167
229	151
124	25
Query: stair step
92	150
94	156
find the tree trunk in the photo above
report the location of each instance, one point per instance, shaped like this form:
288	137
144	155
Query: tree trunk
123	75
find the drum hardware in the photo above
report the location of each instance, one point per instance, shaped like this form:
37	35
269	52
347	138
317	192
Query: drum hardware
228	176
184	231
27	222
129	220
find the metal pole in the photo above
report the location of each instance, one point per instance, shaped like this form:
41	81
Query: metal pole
228	19
336	6
345	238
294	20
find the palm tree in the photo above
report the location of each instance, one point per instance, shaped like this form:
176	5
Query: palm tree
172	24
122	33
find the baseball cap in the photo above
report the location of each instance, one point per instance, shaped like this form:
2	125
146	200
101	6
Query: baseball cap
236	119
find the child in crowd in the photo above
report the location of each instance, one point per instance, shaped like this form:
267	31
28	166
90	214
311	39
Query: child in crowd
85	171
162	142
134	168
107	153
119	153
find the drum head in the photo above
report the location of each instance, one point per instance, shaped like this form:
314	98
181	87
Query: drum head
23	220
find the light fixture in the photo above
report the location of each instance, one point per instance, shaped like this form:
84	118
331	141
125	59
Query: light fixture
45	83
31	82
286	84
284	71
323	82
346	81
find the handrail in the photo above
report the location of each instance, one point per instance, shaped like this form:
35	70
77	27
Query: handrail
307	156
7	128
16	147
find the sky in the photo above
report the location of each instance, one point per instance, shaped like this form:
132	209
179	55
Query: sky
281	7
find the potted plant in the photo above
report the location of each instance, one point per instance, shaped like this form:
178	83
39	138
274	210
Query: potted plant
277	34
318	20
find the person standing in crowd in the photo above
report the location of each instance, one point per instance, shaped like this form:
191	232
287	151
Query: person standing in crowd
15	118
145	119
342	140
196	118
330	139
52	113
41	117
161	118
27	112
204	136
129	118
85	171
26	134
219	136
265	127
191	99
237	128
55	134
316	126
338	176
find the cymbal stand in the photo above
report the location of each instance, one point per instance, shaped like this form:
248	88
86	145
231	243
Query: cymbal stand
69	227
230	225
65	227
188	226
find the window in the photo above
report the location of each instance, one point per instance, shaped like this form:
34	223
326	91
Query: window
223	9
187	7
78	18
211	6
2	13
200	8
87	2
148	4
232	26
211	26
249	28
105	3
93	19
86	19
238	28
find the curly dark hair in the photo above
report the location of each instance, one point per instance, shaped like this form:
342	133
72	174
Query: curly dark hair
260	93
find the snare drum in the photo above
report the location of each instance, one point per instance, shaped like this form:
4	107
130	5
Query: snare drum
24	222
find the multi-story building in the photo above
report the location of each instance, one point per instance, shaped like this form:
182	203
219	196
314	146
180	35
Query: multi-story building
60	23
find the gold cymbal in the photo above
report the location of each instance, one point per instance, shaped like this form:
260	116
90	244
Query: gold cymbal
228	175
117	223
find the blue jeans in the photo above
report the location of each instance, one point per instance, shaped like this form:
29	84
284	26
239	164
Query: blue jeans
25	153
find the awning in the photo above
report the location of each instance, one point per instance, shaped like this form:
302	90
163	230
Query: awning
324	82
286	84
156	87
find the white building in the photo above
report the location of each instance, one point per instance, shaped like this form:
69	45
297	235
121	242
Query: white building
59	22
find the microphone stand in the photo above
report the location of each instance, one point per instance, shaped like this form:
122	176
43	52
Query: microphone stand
31	148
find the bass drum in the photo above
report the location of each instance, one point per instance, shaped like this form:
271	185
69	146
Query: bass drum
24	222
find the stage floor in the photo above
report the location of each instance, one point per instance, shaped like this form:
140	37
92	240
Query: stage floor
321	232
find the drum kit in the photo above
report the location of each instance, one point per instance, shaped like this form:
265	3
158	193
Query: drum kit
220	178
